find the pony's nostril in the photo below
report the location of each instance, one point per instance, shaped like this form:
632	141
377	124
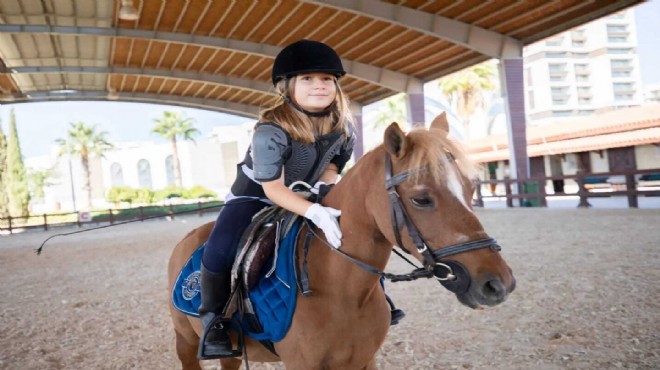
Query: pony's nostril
494	289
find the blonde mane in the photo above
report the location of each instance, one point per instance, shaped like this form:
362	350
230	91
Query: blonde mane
433	151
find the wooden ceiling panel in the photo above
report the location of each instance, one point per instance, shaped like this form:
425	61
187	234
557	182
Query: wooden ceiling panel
327	27
171	55
204	90
317	16
567	15
422	50
508	12
347	33
484	9
7	84
201	59
284	31
275	23
138	49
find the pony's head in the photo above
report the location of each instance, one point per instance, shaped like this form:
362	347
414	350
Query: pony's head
427	210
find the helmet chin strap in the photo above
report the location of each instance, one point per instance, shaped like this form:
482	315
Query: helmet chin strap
297	107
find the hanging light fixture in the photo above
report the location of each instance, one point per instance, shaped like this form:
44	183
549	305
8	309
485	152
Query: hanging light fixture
127	11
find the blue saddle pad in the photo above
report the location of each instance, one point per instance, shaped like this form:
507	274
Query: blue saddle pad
273	298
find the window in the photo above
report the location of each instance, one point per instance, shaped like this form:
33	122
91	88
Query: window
585	112
555	54
581	68
620	97
556	78
169	170
559	90
620	63
144	174
116	175
612	28
559	101
578	43
618	86
619	51
584	101
582	78
583	90
555	67
621	74
562	113
617	39
556	41
528	77
530	99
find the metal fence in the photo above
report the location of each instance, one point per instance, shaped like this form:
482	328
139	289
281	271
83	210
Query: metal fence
532	192
79	218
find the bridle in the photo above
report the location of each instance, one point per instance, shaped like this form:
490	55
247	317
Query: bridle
453	275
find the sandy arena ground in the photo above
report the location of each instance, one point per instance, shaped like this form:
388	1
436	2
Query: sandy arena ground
588	297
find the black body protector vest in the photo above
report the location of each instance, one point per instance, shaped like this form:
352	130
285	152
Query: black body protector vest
272	148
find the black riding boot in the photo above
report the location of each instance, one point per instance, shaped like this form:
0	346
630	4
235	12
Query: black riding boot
397	314
214	341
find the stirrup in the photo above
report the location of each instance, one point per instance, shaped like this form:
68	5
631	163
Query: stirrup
397	315
223	349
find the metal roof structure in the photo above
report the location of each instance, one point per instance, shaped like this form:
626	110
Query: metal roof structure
217	55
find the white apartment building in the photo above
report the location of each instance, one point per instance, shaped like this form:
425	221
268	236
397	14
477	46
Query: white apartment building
589	69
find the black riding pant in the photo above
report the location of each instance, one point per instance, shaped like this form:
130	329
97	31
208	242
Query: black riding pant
220	249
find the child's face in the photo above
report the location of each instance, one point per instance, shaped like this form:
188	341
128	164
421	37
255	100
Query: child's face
314	91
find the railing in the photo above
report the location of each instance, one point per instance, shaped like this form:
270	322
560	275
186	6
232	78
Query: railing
79	218
531	191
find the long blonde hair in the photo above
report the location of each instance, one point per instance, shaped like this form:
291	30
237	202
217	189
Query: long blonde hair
300	126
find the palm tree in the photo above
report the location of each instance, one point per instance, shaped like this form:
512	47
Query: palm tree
465	89
83	140
393	111
171	126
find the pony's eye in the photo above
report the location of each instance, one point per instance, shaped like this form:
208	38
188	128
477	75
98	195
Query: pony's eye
422	201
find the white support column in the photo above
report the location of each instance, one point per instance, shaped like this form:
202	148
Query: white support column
415	105
358	150
513	90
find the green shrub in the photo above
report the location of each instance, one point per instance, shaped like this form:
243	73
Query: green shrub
118	194
168	193
198	191
144	196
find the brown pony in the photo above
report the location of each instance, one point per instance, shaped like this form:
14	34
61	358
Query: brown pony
344	322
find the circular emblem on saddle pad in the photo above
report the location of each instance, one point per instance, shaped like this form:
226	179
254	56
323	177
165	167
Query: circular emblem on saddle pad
190	286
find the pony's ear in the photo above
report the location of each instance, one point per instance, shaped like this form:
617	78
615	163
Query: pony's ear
395	140
440	123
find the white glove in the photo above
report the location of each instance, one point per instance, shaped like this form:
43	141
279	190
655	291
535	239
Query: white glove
326	219
317	187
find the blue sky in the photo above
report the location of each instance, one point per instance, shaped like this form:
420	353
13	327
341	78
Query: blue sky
39	124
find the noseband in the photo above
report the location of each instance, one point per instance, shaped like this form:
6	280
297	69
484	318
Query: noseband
451	274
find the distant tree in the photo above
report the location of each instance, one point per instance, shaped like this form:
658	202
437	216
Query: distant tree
4	200
38	180
465	89
17	186
393	111
171	126
83	140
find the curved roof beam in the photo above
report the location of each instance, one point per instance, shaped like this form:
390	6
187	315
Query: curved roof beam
244	110
389	79
243	83
490	43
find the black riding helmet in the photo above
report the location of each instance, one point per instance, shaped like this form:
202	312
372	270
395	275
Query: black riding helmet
306	56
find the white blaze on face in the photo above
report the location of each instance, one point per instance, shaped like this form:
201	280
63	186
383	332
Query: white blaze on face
455	186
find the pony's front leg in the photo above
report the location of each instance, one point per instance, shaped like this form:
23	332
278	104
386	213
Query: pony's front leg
371	365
